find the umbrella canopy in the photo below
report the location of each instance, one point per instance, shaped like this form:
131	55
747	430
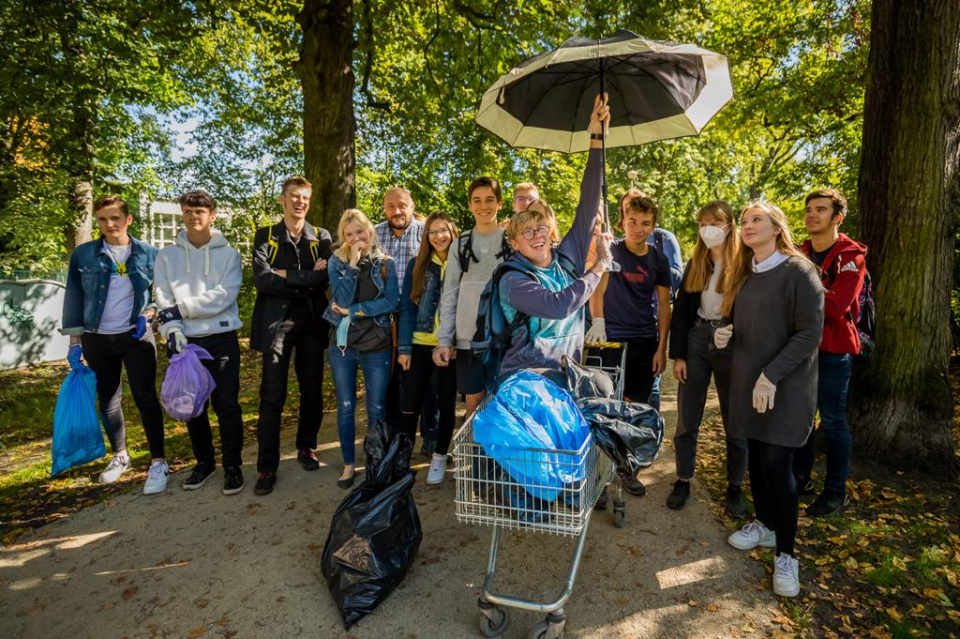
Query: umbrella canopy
657	91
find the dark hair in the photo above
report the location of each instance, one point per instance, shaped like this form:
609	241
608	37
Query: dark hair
640	204
835	197
200	199
425	255
295	180
111	200
488	182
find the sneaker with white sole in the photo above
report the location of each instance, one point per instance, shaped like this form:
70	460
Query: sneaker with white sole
156	478
438	469
117	466
752	535
786	576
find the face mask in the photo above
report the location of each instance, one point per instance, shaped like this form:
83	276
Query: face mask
713	236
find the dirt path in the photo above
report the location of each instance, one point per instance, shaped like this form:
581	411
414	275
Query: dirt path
198	564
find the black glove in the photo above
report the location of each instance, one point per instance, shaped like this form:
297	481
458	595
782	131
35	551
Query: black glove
169	314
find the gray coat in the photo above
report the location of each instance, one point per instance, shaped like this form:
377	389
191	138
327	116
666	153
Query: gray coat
777	326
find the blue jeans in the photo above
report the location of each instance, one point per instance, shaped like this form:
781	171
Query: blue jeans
654	400
376	375
832	389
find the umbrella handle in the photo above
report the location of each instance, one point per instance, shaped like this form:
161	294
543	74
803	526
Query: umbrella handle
603	160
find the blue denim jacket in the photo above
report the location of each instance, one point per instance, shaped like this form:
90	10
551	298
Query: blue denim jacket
88	278
343	284
420	317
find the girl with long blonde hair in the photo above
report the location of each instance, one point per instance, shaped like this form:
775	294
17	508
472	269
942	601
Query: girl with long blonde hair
697	313
776	304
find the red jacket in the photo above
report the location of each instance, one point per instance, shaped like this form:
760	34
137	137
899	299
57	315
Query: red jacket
842	275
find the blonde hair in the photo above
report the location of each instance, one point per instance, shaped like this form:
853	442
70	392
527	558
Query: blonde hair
356	216
526	186
743	265
529	219
701	264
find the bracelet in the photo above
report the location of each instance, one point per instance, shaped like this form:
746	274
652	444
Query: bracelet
596	136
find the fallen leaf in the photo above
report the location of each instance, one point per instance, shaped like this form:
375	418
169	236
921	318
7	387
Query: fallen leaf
893	614
129	592
197	632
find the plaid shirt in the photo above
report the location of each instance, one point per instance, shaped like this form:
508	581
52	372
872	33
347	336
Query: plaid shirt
403	248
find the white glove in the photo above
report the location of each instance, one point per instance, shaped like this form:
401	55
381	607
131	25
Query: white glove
597	333
176	340
763	393
722	336
604	257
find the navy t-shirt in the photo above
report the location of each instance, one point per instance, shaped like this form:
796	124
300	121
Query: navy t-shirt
629	307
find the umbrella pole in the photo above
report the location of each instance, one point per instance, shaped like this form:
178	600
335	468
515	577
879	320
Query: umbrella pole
603	160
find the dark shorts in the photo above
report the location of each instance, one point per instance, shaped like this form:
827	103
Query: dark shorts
471	376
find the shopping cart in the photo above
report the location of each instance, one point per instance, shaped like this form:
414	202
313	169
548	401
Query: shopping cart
489	493
593	358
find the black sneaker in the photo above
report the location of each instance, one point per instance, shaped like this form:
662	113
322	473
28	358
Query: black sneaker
736	506
308	459
804	485
232	480
827	504
265	484
198	477
632	485
678	496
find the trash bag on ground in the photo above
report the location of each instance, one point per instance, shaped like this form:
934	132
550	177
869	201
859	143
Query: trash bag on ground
628	433
77	438
375	532
530	413
187	385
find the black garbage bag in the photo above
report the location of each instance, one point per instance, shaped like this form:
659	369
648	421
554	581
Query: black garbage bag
375	532
587	381
629	433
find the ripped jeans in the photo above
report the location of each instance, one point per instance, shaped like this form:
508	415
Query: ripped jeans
376	375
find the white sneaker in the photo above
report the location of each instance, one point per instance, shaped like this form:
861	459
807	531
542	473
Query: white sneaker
438	468
117	466
752	535
786	576
156	478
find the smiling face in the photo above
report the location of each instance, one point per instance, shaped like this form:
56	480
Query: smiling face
113	223
758	229
296	202
636	227
355	232
484	205
197	218
440	235
530	233
398	209
820	215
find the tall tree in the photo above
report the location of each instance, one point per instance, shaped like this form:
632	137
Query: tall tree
909	195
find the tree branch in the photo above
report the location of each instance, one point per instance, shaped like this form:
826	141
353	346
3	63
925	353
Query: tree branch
368	63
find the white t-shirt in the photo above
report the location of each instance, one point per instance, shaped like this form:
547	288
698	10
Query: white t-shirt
118	307
711	302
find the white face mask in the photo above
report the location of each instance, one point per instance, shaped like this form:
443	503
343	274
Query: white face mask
713	236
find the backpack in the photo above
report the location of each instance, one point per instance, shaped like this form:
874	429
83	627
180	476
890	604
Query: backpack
494	334
465	253
866	320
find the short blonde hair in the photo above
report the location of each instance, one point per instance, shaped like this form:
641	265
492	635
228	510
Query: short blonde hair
356	216
526	186
528	218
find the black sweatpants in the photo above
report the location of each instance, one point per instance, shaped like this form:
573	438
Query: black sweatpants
306	349
108	355
416	387
774	490
225	369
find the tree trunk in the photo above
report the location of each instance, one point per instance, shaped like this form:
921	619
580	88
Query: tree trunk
901	407
80	200
326	76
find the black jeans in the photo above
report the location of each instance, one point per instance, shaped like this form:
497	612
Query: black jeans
107	355
703	359
638	376
308	365
416	390
225	369
774	491
394	402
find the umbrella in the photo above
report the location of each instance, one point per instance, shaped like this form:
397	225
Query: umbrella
657	91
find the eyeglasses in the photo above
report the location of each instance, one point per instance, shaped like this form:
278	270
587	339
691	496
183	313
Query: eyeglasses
542	231
525	198
438	232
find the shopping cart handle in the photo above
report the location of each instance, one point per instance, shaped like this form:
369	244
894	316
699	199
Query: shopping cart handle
605	345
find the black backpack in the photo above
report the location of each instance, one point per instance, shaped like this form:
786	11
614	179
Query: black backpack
494	333
465	253
866	320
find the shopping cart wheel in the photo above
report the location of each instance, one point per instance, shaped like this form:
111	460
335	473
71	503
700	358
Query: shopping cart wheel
619	512
551	627
493	620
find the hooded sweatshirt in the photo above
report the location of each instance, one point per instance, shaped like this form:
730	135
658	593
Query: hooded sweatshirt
842	275
202	282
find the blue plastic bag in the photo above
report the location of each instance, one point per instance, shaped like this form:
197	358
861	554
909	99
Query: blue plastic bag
77	438
187	385
531	412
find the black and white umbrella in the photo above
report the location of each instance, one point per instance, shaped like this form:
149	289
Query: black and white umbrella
657	91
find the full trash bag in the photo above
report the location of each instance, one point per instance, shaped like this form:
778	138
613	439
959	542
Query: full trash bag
628	433
531	412
375	532
588	381
187	385
77	438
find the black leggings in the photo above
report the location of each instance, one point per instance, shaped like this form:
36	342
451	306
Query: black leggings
774	490
416	382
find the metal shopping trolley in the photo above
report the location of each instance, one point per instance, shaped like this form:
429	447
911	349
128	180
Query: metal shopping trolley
593	358
500	493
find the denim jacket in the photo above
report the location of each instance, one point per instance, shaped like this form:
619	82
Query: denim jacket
343	284
420	317
88	278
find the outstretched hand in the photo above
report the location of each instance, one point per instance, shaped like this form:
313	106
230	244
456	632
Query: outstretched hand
600	118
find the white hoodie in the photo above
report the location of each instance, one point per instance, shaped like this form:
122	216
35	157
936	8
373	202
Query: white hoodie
202	282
